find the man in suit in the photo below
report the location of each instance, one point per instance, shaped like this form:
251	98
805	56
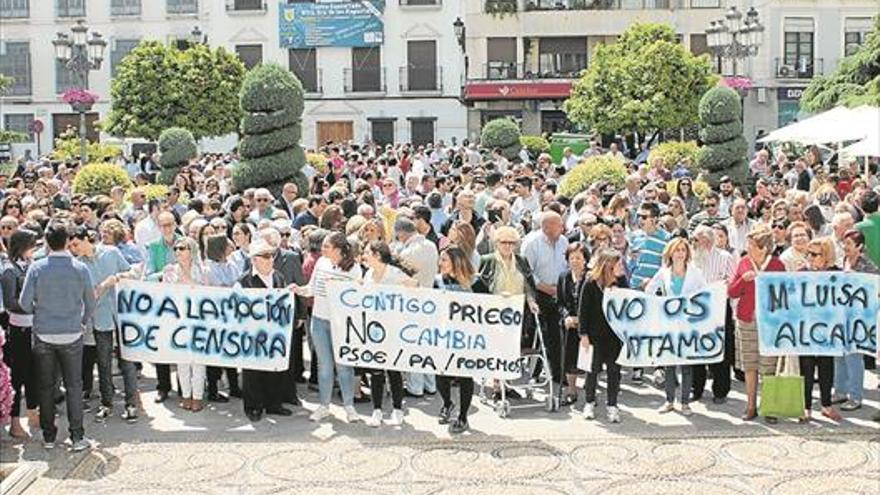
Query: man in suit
263	391
289	193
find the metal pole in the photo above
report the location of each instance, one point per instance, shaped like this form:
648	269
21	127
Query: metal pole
83	142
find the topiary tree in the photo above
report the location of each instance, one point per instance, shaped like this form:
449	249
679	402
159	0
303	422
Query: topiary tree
177	147
725	150
272	98
100	178
504	134
600	168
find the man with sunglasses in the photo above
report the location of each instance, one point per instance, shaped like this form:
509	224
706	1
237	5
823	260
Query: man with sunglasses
711	214
263	201
647	247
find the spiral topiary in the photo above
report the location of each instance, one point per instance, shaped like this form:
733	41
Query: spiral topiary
504	134
724	150
177	147
272	98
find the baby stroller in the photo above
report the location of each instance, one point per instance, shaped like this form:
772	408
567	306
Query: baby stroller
534	357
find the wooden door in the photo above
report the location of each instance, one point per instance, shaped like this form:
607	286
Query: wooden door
336	131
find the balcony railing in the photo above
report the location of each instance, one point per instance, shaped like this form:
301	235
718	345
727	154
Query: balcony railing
177	7
419	3
420	78
503	6
124	9
246	6
365	80
802	68
509	70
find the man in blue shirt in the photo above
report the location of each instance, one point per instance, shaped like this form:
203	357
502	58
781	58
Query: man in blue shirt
106	265
58	291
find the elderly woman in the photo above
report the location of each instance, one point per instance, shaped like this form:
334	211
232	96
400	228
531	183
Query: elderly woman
795	257
568	290
759	246
821	259
677	277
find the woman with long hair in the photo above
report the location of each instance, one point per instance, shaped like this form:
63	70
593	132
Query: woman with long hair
685	191
188	271
462	234
758	258
677	277
607	272
456	274
242	235
17	352
337	263
385	269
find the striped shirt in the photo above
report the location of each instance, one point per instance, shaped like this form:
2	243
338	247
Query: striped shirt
648	249
716	264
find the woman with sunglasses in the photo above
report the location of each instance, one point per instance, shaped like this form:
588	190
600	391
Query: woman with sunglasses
456	274
11	206
17	353
385	269
188	271
821	257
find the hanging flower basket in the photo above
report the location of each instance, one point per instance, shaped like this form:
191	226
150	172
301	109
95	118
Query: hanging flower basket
742	85
81	100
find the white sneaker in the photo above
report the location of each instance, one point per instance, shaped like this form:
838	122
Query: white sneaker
666	408
351	415
80	445
613	414
686	410
375	420
589	411
320	413
396	418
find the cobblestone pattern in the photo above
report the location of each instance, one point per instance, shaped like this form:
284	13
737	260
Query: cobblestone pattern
802	463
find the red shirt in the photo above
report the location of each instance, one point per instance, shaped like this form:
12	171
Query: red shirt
745	291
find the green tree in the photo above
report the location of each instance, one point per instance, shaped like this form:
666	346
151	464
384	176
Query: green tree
856	81
158	86
272	98
647	81
725	149
5	83
504	134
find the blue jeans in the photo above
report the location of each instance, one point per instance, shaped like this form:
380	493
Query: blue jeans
323	343
66	358
420	383
687	378
849	376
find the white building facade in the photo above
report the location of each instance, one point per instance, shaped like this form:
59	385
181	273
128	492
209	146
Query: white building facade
405	88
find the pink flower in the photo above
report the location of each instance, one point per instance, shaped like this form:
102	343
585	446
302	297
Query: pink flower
5	385
737	82
78	95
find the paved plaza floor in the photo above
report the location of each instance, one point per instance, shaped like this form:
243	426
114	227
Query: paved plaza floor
217	451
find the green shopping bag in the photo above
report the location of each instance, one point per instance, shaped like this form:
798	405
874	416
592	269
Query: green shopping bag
782	396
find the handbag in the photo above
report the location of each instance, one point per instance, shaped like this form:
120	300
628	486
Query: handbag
782	395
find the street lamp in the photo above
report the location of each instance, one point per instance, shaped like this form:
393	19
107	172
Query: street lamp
197	37
458	28
80	55
735	37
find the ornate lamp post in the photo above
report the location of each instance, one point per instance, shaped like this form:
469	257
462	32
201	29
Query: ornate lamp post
734	37
459	30
80	55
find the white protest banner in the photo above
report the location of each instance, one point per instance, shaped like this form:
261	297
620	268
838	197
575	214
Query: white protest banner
817	313
665	330
426	330
214	326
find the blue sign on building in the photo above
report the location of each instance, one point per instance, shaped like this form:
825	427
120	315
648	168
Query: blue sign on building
308	25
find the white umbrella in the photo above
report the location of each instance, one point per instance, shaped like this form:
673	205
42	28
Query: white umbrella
866	147
821	128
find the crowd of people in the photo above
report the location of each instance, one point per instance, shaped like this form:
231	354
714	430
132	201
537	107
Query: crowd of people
451	217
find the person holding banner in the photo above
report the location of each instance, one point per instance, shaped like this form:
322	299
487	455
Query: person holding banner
337	262
456	274
188	271
822	257
607	272
385	269
220	272
795	257
759	245
677	276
